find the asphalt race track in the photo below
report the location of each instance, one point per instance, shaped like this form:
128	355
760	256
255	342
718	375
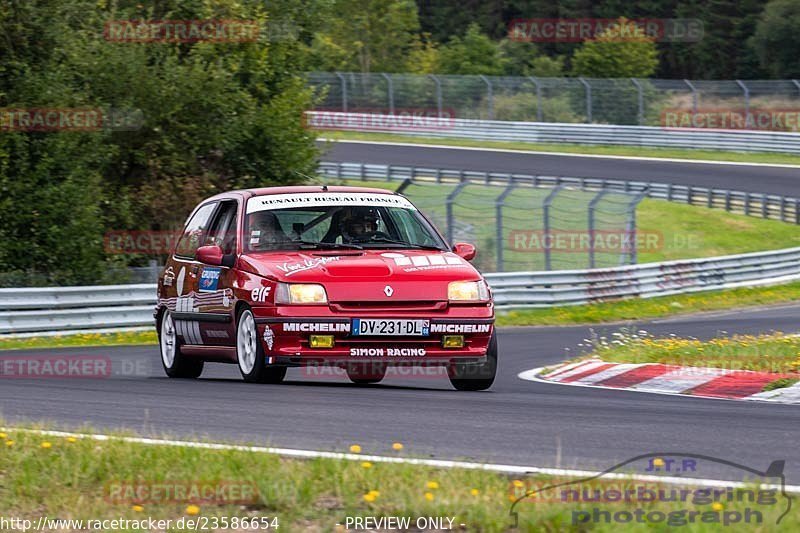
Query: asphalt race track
515	422
749	178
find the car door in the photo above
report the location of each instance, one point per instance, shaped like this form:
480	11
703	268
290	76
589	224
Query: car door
214	301
181	275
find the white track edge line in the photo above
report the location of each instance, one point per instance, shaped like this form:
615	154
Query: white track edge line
565	154
533	375
438	463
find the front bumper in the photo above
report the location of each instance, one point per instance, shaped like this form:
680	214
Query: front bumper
286	341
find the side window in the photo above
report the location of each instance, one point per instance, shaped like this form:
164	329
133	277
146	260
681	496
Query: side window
195	231
223	228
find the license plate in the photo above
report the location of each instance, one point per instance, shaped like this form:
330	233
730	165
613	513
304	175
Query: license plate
389	326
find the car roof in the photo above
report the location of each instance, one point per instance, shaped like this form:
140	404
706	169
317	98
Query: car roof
296	189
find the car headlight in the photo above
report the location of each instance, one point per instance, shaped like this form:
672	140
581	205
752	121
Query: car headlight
468	291
300	293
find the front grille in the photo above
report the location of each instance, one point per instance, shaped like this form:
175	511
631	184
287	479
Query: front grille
383	306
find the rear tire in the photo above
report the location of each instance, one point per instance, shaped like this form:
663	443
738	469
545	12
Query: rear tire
176	365
366	373
476	377
250	352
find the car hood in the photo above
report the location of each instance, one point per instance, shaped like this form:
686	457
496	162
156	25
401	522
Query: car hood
354	275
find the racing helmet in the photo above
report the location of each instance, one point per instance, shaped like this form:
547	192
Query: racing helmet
359	223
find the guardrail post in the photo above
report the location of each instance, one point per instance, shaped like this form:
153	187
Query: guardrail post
764	212
639	88
489	96
727	200
783	209
390	92
694	95
797	211
796	84
498	206
592	207
746	99
747	200
710	199
588	99
344	91
538	98
547	230
438	94
449	208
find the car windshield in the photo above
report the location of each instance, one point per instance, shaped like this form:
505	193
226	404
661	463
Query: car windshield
337	220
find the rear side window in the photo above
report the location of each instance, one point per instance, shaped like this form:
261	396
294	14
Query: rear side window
195	232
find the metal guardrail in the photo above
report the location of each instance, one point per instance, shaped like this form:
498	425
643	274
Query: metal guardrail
114	306
771	206
540	132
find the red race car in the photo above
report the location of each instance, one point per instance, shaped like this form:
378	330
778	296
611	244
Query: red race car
304	276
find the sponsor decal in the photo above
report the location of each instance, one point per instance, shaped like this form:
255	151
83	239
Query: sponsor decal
269	338
169	277
216	334
317	327
387	352
460	328
209	279
288	201
418	263
307	264
260	294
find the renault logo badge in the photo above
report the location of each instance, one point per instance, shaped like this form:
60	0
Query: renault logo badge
388	290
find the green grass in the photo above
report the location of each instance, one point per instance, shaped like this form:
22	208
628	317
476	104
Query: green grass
636	151
774	352
81	339
780	384
73	478
650	308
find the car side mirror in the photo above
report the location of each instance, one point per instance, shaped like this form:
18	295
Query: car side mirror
210	255
465	250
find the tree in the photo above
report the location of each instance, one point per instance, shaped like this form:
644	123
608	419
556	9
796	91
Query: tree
366	36
776	40
619	52
474	53
215	116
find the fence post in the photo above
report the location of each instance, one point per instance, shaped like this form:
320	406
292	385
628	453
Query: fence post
746	99
588	99
390	92
489	96
344	91
538	98
498	206
694	95
632	229
438	94
592	207
548	265
449	208
639	88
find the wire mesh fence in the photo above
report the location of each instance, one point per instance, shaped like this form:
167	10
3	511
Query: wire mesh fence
727	104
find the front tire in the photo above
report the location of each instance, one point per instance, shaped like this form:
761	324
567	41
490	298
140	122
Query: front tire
176	365
476	377
250	352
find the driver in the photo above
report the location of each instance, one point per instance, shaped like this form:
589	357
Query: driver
358	224
264	230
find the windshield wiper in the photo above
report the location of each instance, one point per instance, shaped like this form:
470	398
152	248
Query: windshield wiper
323	245
383	240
